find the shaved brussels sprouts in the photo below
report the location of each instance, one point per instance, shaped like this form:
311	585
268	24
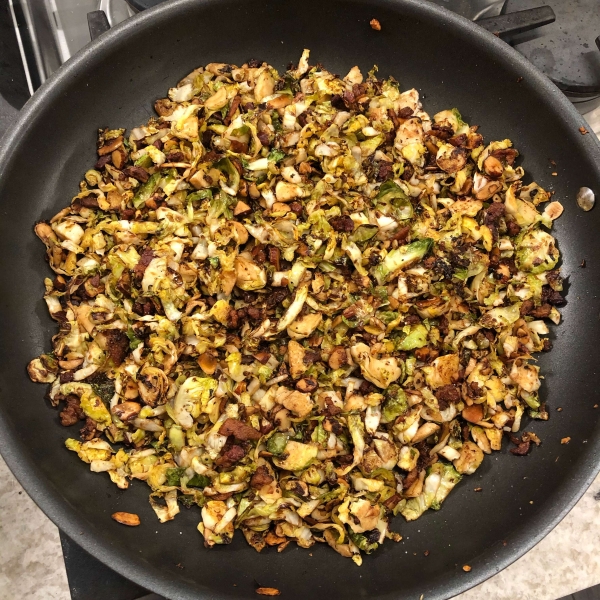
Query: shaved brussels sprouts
395	405
299	305
537	252
402	258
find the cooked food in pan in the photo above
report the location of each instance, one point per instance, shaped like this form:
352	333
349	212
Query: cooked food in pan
300	303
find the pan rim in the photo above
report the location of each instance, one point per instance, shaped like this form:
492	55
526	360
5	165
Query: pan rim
49	499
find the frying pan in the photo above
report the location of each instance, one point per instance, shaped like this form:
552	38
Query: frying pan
113	82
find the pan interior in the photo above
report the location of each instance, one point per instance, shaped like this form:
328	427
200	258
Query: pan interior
452	64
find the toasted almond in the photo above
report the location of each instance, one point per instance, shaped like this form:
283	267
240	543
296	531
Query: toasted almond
241	208
241	233
493	167
338	358
267	591
126	410
110	146
208	363
554	210
125	518
473	414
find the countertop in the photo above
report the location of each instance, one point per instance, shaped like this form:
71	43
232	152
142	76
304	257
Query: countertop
31	560
566	561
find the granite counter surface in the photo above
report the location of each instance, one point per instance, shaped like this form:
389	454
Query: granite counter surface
567	560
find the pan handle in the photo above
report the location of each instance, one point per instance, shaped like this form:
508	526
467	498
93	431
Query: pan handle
97	23
517	22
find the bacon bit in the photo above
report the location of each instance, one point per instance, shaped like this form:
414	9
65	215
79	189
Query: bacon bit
267	591
376	25
466	568
519	79
559	409
239	430
582	265
478	489
583	130
125	518
565	440
426	553
555	174
522	449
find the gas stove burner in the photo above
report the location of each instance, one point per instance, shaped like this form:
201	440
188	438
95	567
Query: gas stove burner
568	50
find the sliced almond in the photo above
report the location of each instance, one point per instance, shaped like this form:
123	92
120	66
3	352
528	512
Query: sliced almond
110	146
125	518
554	210
119	157
69	365
424	432
267	591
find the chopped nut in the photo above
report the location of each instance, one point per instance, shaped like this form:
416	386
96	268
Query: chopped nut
473	413
338	358
306	385
126	410
268	591
208	363
125	518
241	209
296	354
493	167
